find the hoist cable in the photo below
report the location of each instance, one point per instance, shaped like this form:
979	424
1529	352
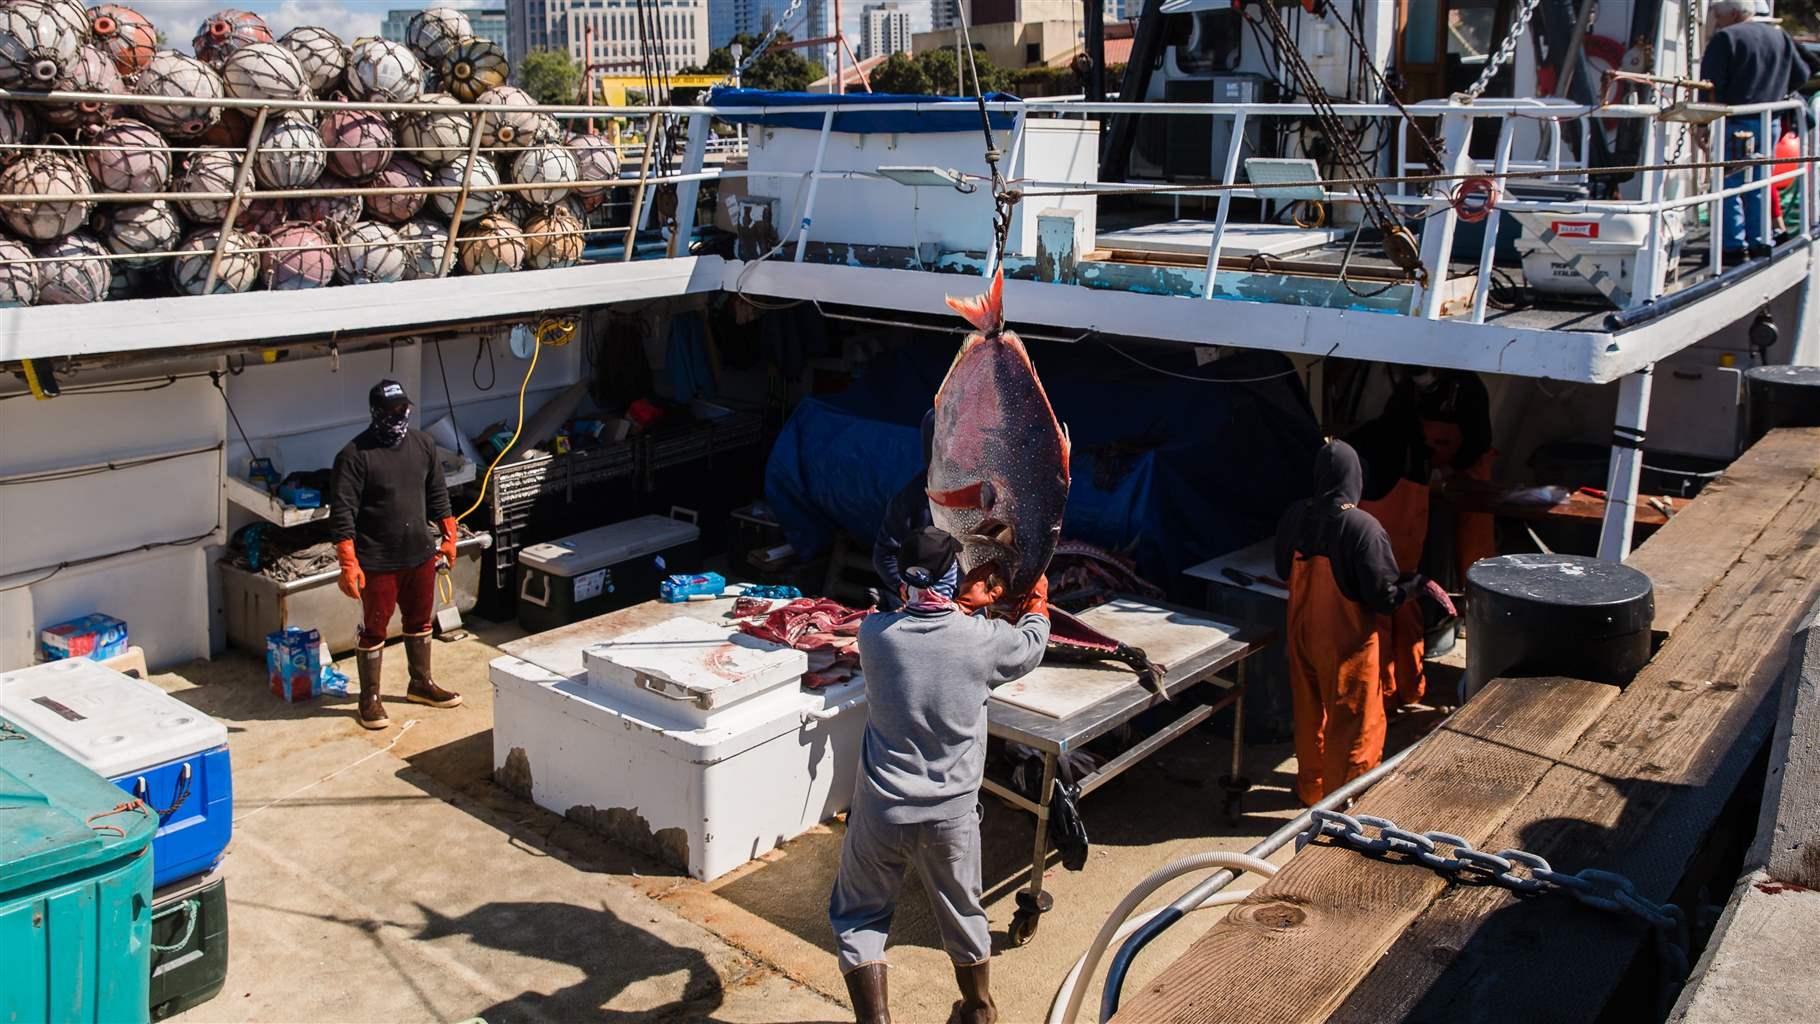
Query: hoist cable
1390	93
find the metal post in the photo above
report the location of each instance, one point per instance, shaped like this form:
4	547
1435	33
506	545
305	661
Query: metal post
1233	146
689	190
1652	262
1626	465
1766	147
654	139
815	178
840	38
241	177
1715	210
1489	250
638	198
461	198
1041	851
1437	233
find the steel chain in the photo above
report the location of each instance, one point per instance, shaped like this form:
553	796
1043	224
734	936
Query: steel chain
1505	51
763	43
1453	856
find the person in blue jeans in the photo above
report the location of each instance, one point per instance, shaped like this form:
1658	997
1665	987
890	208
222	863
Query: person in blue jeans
1749	62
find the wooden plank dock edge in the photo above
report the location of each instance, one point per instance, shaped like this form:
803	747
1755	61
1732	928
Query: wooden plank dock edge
1759	964
1628	781
1707	536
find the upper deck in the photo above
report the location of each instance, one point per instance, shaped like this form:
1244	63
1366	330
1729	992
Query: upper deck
886	206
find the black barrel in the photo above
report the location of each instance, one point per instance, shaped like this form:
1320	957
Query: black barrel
1782	396
1556	615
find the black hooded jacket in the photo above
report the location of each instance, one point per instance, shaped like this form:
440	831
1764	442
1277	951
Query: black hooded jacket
1355	544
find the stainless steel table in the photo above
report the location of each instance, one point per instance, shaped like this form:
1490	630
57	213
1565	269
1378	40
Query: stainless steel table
1053	737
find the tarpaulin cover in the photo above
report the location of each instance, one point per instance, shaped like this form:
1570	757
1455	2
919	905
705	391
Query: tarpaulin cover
940	113
1174	471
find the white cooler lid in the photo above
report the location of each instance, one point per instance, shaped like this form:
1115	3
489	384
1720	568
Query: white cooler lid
112	723
694	662
609	545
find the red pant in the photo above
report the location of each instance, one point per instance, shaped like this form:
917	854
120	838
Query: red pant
412	591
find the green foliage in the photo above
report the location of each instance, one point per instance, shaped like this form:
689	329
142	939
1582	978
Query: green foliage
776	69
550	76
932	73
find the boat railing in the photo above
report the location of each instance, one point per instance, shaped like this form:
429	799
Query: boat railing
685	146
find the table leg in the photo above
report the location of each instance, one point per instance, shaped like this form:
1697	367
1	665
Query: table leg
1032	901
1236	785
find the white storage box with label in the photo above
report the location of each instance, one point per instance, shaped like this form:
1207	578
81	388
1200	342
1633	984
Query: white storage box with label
599	570
704	798
1592	254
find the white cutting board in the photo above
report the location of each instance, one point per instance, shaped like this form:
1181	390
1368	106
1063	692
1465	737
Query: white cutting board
705	664
1168	637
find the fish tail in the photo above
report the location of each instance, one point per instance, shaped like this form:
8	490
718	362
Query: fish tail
985	312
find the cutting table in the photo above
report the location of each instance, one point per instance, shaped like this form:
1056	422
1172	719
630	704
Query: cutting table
1193	648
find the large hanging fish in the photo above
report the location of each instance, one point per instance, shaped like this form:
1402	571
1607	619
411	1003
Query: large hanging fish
998	473
998	470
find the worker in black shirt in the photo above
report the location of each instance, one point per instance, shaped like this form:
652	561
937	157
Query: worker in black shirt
392	525
1748	62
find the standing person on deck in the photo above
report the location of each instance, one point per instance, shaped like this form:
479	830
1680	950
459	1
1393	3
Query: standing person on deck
929	670
1343	583
1748	62
905	514
392	525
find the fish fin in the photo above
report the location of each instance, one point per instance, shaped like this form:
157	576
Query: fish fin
1067	448
971	496
985	312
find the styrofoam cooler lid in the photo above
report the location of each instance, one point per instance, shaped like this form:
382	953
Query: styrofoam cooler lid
695	662
110	722
609	545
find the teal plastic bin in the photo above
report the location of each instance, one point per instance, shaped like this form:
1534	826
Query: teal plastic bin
75	891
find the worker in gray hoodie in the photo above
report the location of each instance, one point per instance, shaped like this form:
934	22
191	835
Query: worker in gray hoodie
929	670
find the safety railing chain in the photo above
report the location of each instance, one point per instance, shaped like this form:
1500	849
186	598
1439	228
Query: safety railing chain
1602	890
1506	50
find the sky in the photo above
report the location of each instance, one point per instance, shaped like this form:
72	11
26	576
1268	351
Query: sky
349	19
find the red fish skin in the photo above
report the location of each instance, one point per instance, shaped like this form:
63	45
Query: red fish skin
994	425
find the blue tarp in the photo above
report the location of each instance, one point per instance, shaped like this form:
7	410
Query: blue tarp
1174	471
941	113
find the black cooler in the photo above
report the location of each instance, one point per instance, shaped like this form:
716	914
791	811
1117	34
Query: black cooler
601	570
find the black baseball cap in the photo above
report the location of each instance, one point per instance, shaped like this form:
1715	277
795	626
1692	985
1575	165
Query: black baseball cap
926	556
388	395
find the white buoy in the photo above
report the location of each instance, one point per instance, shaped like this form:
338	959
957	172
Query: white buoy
321	54
18	276
545	164
436	139
211	170
37	45
383	71
595	160
239	270
174	75
92	71
509	126
433	32
264	71
138	228
483	194
45	174
370	253
76	270
290	153
425	242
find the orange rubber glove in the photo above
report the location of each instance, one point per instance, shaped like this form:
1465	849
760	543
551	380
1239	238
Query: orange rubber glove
981	589
1037	601
449	535
352	581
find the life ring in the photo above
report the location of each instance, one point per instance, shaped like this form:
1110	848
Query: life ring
1474	200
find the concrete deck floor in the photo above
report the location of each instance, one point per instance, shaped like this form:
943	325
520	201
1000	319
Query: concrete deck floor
384	876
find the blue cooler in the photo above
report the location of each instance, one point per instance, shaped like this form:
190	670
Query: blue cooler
143	740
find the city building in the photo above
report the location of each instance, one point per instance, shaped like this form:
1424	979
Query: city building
608	33
729	18
884	30
488	23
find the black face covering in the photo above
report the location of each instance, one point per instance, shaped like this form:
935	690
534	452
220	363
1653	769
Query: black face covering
389	425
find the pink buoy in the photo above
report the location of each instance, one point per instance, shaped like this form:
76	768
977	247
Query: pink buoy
45	174
359	143
128	156
91	71
226	31
300	258
173	75
595	160
126	35
402	172
342	209
510	127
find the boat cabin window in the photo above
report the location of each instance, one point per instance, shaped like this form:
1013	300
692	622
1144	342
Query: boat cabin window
1443	45
1207	42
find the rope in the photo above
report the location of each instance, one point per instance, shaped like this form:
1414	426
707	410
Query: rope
129	807
547	331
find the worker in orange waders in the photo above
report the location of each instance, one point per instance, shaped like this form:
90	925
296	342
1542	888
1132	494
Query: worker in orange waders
1343	585
1456	419
392	526
1393	451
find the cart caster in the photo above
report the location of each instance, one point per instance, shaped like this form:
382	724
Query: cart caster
1030	911
1235	789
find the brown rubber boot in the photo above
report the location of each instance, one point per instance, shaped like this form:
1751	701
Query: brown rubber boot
423	690
367	662
866	988
976	1005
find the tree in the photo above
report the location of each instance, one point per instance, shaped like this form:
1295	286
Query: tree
901	73
550	76
776	69
932	73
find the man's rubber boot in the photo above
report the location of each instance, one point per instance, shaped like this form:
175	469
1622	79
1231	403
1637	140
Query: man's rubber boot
976	1005
866	988
423	690
367	662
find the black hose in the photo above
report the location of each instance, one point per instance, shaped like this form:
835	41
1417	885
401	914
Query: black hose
1667	304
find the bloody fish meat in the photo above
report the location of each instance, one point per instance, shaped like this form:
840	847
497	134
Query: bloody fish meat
998	469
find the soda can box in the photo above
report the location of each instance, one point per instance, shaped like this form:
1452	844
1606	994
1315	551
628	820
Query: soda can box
677	589
94	636
293	663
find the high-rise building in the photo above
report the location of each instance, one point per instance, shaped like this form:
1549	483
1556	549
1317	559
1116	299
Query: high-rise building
884	30
944	14
615	34
729	18
488	23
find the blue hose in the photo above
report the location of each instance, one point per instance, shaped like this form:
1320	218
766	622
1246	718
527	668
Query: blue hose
1121	964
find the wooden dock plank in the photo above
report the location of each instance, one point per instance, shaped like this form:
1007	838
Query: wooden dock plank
1686	557
1291	951
1636	795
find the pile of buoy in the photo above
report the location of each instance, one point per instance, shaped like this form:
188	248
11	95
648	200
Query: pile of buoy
77	249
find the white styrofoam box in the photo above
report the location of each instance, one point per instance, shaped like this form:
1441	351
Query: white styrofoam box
706	800
161	594
869	210
109	721
691	673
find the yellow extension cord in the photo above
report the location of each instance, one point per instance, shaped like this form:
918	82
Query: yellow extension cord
552	332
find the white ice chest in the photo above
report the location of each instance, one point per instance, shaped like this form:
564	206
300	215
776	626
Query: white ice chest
686	740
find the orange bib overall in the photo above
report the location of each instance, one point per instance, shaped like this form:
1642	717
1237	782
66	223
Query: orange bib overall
1404	514
1335	681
